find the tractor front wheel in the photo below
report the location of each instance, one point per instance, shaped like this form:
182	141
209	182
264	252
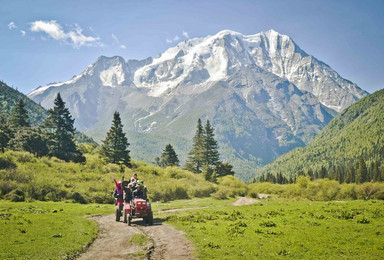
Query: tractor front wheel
129	218
150	218
125	218
117	214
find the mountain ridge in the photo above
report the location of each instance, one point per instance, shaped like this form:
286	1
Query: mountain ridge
357	132
238	82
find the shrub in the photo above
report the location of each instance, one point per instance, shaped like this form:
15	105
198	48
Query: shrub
6	187
78	197
6	163
201	190
17	195
177	173
229	186
348	191
368	190
221	194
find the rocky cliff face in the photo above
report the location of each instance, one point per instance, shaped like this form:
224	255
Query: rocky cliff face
262	93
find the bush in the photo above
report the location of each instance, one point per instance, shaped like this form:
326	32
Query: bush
6	163
177	173
230	186
78	198
166	193
6	187
348	191
16	195
221	194
201	190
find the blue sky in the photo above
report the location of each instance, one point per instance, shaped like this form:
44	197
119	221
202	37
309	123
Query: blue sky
53	40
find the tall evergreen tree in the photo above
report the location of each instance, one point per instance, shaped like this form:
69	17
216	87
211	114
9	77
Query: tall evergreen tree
211	154
361	171
168	157
195	159
115	146
61	131
19	116
5	132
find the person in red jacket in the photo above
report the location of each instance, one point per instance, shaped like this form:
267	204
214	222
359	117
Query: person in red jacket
118	192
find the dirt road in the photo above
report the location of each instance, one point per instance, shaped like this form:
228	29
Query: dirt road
165	242
112	242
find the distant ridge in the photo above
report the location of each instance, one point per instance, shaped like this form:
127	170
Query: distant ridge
357	132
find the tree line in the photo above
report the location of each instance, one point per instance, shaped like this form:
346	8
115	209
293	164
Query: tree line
356	172
56	137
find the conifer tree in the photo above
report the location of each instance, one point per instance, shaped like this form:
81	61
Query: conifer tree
30	139
61	131
19	116
223	169
211	154
195	159
361	171
115	146
168	157
5	132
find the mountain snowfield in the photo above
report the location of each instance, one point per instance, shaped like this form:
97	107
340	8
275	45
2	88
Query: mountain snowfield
262	93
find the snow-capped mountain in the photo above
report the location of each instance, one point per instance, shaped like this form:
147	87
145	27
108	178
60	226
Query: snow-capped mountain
263	94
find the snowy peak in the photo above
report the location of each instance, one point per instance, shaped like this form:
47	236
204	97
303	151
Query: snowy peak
111	72
214	58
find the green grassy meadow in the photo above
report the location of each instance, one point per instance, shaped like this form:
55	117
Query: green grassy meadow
273	228
278	228
46	230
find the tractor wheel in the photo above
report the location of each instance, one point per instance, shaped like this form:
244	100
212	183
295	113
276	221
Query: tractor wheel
129	219
117	214
150	218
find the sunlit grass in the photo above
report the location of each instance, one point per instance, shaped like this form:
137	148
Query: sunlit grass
46	230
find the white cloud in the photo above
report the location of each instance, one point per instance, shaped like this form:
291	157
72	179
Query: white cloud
114	37
176	38
74	37
22	32
12	25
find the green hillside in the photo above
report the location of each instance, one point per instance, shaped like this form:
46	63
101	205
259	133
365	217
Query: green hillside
351	140
9	98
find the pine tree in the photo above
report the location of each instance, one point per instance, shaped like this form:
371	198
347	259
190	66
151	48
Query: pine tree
5	132
361	171
195	159
223	169
115	146
168	157
31	140
209	173
61	131
19	116
211	154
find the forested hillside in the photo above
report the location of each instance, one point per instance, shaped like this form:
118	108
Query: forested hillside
9	98
349	149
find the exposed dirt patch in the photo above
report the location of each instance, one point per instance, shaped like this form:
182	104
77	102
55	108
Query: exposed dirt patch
180	209
112	242
242	201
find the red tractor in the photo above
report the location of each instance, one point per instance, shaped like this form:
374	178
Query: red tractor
138	208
